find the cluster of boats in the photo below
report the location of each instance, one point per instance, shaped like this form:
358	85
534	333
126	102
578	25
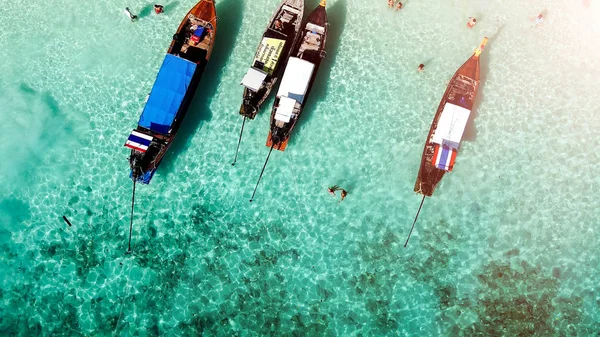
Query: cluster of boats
291	49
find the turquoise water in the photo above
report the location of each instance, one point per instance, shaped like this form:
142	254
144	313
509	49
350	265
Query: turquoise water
507	245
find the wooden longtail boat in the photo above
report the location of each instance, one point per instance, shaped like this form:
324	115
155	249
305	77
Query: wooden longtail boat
298	78
271	56
273	51
297	81
448	126
172	92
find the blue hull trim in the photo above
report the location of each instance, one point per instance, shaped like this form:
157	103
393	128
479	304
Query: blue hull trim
145	178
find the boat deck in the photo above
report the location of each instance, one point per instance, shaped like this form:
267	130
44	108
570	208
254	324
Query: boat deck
195	36
197	39
284	23
311	46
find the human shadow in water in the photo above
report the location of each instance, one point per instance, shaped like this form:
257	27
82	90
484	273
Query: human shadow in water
146	11
336	16
484	67
229	23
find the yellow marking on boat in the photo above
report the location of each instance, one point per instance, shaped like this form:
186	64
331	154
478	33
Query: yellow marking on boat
323	2
268	53
481	46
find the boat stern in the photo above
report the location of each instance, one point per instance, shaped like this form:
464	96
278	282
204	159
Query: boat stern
276	142
143	151
424	188
248	109
143	178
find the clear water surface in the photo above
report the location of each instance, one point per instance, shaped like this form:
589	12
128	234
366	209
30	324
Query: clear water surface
509	243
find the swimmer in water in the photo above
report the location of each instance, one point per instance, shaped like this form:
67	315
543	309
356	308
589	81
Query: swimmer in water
132	16
472	22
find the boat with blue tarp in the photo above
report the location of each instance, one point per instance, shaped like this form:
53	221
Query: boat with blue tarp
173	91
171	94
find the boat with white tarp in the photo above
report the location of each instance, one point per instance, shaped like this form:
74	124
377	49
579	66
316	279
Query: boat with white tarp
270	58
448	127
297	80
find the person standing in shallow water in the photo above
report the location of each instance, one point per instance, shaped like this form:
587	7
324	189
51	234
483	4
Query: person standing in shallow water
421	67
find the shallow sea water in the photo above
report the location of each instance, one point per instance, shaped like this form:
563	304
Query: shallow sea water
508	245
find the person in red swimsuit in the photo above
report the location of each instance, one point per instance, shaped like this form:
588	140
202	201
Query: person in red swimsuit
472	22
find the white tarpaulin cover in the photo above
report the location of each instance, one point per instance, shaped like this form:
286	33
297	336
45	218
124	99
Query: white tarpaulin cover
285	109
451	125
253	79
295	79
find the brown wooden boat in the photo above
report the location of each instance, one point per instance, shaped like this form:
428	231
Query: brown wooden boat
276	44
297	81
298	78
171	94
449	124
173	90
447	128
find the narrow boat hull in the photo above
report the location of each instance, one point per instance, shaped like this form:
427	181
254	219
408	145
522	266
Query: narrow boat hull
309	48
461	91
288	31
192	54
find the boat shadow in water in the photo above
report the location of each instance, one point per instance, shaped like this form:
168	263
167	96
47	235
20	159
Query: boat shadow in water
484	67
336	16
229	23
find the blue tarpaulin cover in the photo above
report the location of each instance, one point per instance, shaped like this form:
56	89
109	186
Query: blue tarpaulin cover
167	94
199	31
